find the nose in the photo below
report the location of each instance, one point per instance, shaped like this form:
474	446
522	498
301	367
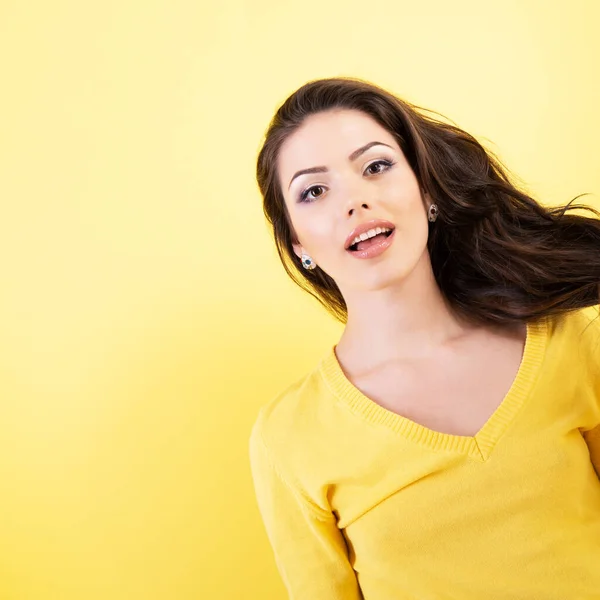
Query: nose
352	208
357	193
356	202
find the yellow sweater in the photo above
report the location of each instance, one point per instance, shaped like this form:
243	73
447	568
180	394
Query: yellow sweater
359	502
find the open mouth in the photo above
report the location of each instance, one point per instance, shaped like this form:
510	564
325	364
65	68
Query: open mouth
364	244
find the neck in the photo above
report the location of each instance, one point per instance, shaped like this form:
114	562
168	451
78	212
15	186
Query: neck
397	322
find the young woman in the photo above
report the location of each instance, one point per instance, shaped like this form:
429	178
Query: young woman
448	446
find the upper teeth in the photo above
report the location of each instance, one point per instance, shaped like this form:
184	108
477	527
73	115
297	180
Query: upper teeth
369	234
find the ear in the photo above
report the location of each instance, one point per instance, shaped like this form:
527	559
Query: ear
427	201
298	250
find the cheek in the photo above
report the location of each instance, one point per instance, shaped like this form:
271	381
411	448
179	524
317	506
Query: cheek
405	198
408	211
314	231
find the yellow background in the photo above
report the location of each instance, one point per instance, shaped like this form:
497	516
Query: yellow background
144	317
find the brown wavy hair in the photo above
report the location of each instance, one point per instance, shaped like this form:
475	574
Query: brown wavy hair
498	256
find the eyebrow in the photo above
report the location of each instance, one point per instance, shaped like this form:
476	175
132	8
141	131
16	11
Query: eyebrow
352	157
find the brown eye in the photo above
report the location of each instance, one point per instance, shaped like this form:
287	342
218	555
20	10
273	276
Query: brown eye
312	193
378	167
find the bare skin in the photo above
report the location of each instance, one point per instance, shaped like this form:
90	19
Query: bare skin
403	346
454	389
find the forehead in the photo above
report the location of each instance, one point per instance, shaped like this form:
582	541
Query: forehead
328	136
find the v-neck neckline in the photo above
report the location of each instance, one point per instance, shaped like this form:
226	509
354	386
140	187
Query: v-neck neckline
478	446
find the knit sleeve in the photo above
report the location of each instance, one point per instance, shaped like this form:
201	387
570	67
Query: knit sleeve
309	549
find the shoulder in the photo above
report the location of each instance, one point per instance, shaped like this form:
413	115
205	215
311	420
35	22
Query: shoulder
581	327
294	416
292	433
574	338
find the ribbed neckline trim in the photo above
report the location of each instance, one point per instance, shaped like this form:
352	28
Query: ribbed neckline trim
479	446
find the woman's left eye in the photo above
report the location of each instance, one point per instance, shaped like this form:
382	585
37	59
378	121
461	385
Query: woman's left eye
380	166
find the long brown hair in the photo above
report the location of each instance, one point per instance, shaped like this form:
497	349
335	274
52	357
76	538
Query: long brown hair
498	256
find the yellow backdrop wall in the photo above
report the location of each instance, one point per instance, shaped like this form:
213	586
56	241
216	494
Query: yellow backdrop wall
144	317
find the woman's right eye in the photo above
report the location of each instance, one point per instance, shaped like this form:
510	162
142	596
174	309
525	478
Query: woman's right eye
312	193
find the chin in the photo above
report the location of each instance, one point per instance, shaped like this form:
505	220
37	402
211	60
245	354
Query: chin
382	282
377	279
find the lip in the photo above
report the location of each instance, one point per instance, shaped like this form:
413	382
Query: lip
375	249
364	227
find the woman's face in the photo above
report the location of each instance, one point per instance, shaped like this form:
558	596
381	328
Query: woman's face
362	175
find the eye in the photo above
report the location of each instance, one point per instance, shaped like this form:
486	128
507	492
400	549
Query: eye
379	166
375	168
312	193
